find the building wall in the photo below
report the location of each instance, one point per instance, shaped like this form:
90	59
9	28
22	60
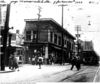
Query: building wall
87	46
48	35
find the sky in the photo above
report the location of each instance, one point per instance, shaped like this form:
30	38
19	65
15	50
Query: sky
74	14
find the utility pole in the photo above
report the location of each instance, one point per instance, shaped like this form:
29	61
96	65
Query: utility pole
62	58
5	33
78	28
62	5
39	15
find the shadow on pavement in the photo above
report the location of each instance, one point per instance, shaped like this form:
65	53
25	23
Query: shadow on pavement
81	79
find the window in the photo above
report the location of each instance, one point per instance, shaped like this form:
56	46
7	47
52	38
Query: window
59	40
28	35
55	38
65	42
18	52
51	36
34	35
69	45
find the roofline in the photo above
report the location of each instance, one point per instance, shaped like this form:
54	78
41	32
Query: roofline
50	19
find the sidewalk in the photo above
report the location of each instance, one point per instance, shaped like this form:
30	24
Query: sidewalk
7	70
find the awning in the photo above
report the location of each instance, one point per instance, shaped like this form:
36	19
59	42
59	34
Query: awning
56	47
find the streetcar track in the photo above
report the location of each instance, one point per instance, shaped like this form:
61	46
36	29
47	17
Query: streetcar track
50	75
74	74
94	80
64	71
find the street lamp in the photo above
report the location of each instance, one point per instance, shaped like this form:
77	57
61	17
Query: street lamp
5	33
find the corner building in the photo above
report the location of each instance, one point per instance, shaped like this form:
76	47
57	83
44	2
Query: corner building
47	38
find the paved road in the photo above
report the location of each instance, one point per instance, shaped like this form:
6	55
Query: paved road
29	74
97	76
86	74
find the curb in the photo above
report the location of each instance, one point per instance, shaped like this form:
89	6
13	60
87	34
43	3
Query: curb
6	71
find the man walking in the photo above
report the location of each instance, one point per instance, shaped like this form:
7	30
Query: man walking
75	62
78	63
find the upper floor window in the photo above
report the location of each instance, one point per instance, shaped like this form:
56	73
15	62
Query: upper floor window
59	40
65	42
55	38
34	35
68	45
28	35
51	36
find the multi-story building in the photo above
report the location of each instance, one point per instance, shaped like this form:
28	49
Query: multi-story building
47	38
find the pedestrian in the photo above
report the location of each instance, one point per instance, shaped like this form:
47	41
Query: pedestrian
11	62
75	62
40	60
33	60
78	63
15	63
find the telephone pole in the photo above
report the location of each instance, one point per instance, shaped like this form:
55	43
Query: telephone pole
39	15
62	5
78	28
5	34
62	58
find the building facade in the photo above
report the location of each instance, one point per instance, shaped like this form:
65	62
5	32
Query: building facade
47	38
89	56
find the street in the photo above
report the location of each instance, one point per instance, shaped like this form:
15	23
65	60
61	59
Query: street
30	74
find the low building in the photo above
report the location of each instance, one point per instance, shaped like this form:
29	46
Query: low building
47	38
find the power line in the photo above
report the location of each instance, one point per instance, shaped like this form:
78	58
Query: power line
90	31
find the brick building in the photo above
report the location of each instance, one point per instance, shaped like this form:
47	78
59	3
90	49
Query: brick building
48	39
